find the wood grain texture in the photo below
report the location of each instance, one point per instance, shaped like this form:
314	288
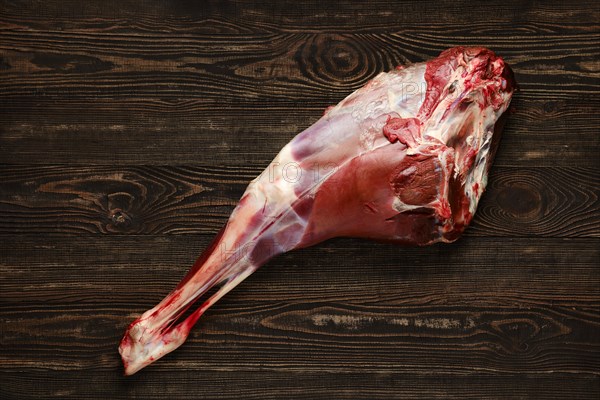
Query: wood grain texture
128	131
308	385
525	202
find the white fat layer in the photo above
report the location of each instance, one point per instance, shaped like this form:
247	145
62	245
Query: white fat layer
407	91
478	173
276	183
401	206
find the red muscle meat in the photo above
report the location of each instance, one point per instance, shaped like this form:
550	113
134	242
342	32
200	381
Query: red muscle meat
404	159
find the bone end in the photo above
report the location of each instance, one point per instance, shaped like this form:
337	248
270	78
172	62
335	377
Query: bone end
141	346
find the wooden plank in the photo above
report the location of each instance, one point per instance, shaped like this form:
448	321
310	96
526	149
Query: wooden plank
555	131
378	15
158	262
206	383
542	202
280	66
479	306
88	95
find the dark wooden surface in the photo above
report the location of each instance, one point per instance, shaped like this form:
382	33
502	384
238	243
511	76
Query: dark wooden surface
128	130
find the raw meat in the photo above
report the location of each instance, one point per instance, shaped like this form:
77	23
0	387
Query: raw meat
403	159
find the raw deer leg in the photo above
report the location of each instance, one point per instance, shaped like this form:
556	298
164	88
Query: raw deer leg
403	159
